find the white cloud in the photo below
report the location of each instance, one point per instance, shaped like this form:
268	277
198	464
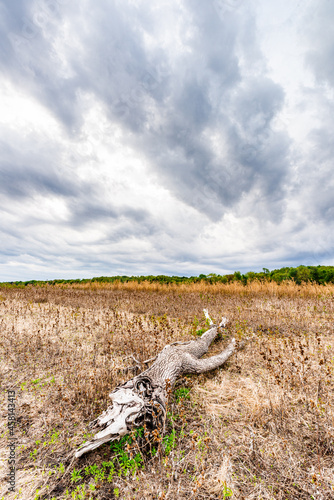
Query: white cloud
181	137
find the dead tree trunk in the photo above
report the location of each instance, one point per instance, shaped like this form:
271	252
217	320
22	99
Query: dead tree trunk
142	400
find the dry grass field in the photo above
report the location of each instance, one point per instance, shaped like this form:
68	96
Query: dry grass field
260	427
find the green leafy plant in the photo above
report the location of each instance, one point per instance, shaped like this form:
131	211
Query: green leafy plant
75	476
227	492
61	468
182	393
79	493
54	437
200	331
169	442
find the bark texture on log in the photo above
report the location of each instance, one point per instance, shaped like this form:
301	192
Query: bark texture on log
142	400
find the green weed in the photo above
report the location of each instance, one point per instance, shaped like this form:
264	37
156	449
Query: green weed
169	442
182	393
75	476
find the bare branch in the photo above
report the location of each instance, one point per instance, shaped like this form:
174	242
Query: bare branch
204	365
206	313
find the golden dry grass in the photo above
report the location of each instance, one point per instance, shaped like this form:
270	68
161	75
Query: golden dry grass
261	427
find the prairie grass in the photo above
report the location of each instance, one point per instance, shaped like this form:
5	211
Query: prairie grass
286	288
260	427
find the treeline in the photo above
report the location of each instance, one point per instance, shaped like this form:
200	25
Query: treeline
300	274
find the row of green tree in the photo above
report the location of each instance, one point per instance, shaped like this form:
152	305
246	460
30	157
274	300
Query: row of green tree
300	274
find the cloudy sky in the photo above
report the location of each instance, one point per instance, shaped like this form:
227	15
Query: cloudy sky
175	137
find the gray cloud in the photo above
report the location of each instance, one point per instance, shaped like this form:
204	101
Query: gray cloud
187	87
192	94
321	49
19	181
317	173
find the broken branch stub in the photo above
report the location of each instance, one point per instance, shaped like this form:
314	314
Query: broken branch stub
142	400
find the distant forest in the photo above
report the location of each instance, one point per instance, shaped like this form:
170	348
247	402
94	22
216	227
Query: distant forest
300	274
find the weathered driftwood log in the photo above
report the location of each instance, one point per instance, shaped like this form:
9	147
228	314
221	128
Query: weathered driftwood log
142	400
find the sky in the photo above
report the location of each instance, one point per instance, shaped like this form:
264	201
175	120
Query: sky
180	137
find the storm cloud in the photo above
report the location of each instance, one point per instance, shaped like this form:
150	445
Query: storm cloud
178	138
